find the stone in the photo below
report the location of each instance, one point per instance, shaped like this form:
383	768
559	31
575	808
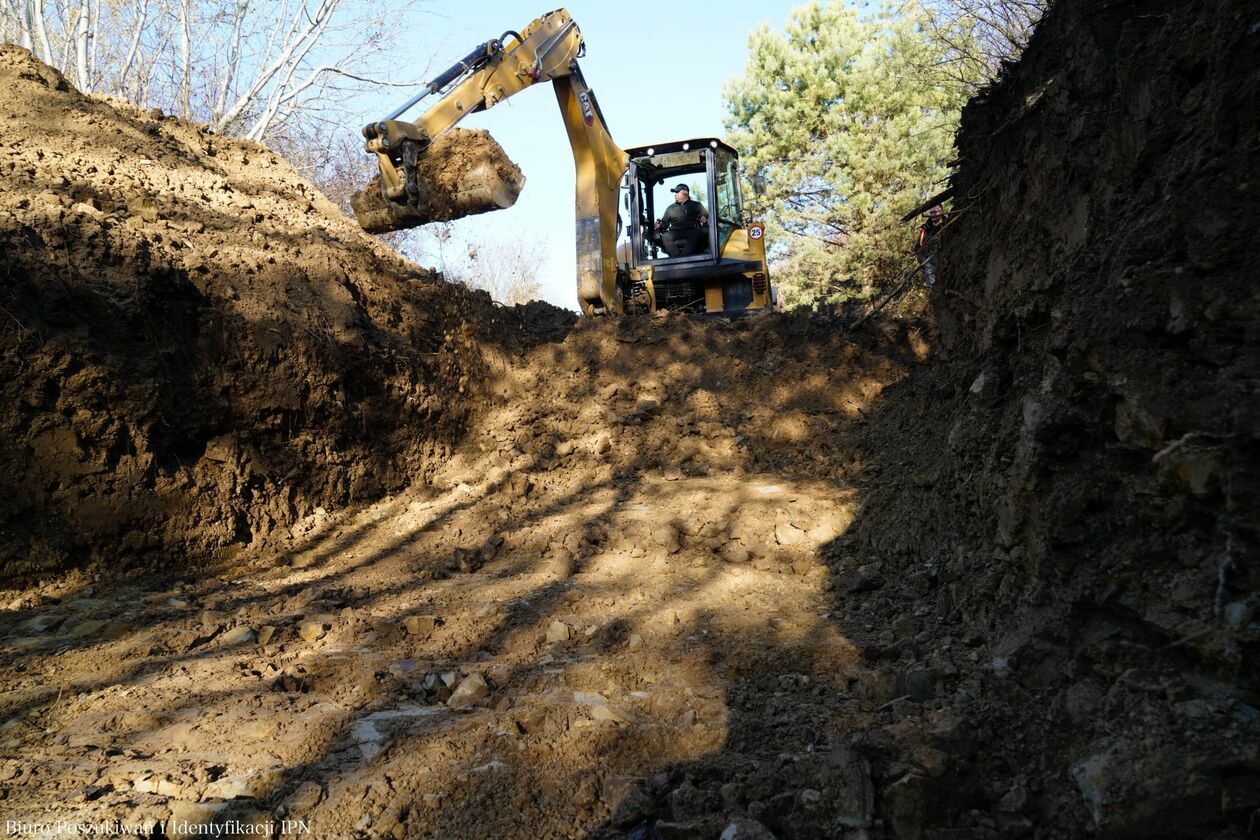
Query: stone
302	800
1081	701
1090	775
159	785
921	684
611	713
562	563
420	625
787	534
633	806
906	806
635	642
1136	427
586	793
471	691
241	635
116	630
266	633
666	537
1189	467
759	550
1238	615
865	579
252	785
743	828
314	629
402	668
257	729
558	632
933	762
1014	800
41	624
188	816
733	552
88	627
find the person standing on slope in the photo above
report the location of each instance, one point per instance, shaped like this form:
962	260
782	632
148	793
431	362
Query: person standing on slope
925	243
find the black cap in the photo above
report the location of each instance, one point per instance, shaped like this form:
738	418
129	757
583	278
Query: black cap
682	187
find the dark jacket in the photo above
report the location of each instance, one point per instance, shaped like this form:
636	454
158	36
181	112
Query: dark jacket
685	216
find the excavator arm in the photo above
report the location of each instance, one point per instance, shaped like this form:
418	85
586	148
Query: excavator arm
546	50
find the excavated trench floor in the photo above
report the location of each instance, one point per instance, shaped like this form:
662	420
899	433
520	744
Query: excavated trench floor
612	579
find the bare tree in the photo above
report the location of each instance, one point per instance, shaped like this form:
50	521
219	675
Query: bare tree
506	268
135	29
980	36
245	67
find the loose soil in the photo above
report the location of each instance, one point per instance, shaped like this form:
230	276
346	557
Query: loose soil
294	530
462	173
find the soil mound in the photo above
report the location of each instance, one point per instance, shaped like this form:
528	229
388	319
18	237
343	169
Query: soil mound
199	350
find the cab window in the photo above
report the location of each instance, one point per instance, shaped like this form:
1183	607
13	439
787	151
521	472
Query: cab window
657	177
730	213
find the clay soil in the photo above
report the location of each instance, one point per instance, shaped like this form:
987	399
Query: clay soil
300	538
462	173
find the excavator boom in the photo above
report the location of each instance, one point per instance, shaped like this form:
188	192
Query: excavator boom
433	171
414	187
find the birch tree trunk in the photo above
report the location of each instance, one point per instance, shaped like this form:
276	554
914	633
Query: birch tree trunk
133	46
185	54
248	68
233	59
83	28
19	15
36	10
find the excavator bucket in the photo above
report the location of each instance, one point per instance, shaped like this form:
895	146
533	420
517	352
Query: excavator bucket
462	173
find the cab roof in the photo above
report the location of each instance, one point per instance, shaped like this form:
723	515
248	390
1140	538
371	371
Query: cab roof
677	146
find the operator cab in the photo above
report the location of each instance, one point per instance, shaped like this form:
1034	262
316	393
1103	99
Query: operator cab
692	268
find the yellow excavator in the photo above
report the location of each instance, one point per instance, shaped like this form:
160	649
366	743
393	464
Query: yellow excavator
712	260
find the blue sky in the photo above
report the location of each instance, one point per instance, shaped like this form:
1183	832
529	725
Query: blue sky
656	67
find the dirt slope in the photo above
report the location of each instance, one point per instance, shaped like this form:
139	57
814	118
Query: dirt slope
989	575
200	350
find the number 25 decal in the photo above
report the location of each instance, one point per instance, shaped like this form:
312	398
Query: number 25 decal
755	232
